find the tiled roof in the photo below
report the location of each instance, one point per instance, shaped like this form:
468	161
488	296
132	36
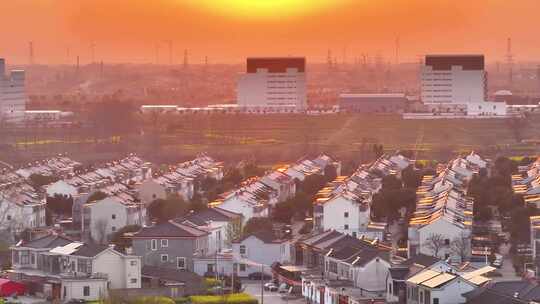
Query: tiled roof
48	241
169	229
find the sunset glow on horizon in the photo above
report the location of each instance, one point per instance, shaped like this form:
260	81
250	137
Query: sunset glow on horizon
267	9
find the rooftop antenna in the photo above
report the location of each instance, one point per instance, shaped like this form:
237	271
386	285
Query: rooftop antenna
78	64
510	60
31	52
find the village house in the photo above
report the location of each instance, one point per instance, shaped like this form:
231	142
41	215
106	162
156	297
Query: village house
102	218
170	245
257	251
223	226
58	268
181	179
21	207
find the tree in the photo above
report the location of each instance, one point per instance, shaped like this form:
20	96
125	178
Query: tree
162	210
40	180
60	204
435	242
119	241
411	178
96	196
101	231
330	173
255	224
233	231
460	246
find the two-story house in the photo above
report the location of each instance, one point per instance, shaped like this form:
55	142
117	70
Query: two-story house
21	207
223	226
170	245
257	251
58	268
104	217
283	184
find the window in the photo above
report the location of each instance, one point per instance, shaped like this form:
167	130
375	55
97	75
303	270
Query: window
354	234
243	249
242	267
133	281
447	242
210	268
435	300
8	217
86	291
346	227
164	258
65	292
153	245
133	263
390	288
181	263
113	216
346	214
113	228
165	243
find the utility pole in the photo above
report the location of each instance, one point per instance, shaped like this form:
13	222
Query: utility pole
31	53
93	52
397	50
262	283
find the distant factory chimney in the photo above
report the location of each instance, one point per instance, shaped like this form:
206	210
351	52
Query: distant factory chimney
510	61
31	53
186	59
2	67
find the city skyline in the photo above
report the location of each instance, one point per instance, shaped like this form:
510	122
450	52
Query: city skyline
139	31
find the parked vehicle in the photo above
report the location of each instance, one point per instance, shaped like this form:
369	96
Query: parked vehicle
283	288
270	286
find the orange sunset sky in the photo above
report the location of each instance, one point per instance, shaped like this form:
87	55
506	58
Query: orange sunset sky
230	30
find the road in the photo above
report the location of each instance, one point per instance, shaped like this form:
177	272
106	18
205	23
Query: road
254	288
507	269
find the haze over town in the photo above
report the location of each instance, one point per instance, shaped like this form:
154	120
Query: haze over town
269	151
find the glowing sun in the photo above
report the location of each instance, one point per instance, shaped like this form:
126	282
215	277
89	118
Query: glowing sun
268	9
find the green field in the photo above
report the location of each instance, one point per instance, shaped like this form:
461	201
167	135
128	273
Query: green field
276	138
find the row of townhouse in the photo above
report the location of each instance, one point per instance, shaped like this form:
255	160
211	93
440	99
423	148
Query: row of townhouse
128	170
344	204
181	179
527	183
21	206
256	196
60	269
59	166
444	213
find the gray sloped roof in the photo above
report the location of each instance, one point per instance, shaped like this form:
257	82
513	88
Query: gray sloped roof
48	241
170	229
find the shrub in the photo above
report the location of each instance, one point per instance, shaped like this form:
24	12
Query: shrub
182	300
152	300
236	298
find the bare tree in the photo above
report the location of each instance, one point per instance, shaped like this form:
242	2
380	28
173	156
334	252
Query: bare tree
460	246
233	231
101	231
435	242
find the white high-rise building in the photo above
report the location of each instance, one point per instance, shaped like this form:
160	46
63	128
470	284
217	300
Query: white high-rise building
12	94
454	79
273	82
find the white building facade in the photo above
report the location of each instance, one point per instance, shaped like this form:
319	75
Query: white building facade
273	82
12	94
453	79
